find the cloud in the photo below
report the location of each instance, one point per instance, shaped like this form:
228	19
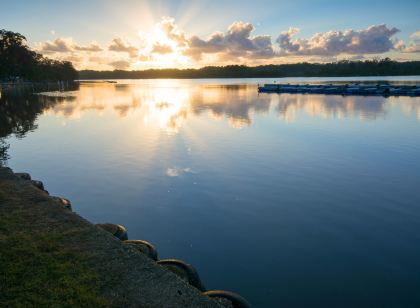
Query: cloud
399	45
168	46
170	29
285	40
373	40
57	45
356	58
415	37
415	44
144	57
118	44
62	45
412	48
82	55
120	64
236	42
72	58
161	49
175	171
93	47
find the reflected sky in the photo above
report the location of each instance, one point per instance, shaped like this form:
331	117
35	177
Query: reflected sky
169	103
290	200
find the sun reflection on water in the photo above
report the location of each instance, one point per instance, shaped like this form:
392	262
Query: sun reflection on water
167	104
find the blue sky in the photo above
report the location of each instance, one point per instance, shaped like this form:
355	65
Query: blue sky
101	21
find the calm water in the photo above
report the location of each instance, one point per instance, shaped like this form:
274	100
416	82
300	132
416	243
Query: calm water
290	200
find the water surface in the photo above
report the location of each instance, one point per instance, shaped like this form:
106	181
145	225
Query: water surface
291	200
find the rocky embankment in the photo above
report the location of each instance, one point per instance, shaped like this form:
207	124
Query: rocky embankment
36	226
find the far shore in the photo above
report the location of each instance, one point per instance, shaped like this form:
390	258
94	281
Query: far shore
384	67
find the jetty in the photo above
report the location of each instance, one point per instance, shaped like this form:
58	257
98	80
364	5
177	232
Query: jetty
343	89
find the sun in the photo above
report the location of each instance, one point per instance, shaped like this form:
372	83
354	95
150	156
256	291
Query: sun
163	46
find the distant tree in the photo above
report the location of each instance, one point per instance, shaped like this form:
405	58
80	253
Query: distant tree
375	67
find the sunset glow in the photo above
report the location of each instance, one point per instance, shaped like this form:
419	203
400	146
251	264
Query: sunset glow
145	145
178	34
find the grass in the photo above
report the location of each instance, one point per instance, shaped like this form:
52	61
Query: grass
37	270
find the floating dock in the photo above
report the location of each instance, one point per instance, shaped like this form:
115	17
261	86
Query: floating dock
343	89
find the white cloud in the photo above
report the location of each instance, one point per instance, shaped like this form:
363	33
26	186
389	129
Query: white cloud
373	40
415	36
414	45
175	171
236	42
412	48
170	29
166	45
399	45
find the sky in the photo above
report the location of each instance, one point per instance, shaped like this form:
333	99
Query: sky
131	35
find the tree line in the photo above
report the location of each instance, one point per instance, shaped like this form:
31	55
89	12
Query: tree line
384	67
19	62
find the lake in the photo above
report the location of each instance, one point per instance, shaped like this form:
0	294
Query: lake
291	200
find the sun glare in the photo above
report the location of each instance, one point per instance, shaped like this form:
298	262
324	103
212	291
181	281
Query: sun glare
168	107
163	51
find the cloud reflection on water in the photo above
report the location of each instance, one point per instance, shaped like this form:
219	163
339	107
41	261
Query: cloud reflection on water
176	171
170	104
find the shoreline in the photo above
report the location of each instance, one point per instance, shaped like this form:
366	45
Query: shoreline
346	77
32	87
122	275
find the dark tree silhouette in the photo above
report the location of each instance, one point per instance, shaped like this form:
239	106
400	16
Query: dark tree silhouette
382	67
17	60
18	115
